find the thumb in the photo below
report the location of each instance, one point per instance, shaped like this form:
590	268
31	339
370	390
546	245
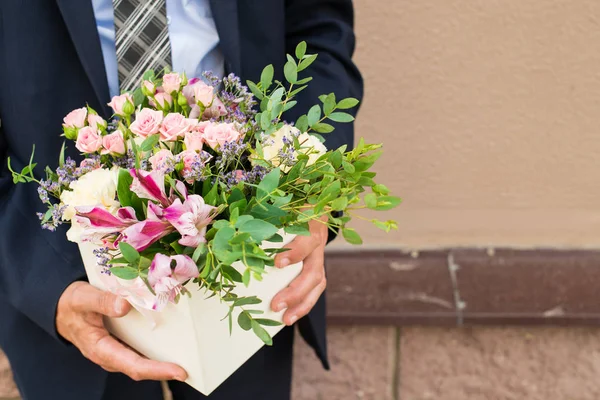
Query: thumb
111	305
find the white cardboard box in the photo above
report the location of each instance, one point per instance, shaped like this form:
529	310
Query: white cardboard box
193	333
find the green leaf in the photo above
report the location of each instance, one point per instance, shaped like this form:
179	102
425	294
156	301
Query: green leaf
129	253
371	201
243	219
246	277
306	62
385	203
124	192
276	239
259	230
221	241
138	97
149	75
262	333
339	204
211	197
298	90
302	123
336	159
269	183
381	189
345	104
245	301
149	143
301	230
290	70
314	115
240	238
304	81
340	117
323	128
232	273
127	273
289	105
349	168
255	90
329	104
268	322
300	50
61	157
265	120
266	78
200	250
245	321
351	236
268	212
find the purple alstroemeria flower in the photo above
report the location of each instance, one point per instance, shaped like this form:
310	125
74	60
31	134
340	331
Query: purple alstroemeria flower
167	275
190	218
150	185
143	234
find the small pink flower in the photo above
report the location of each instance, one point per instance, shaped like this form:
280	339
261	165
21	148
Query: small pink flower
218	134
113	144
118	103
149	87
174	126
216	110
76	118
88	140
167	275
190	218
171	82
163	99
96	121
147	122
188	157
160	161
143	234
203	93
193	140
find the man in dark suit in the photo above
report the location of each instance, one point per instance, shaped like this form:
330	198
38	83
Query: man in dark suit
55	55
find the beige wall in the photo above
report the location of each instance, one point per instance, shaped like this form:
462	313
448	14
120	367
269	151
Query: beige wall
490	111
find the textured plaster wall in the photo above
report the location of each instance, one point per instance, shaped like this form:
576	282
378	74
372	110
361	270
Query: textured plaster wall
490	111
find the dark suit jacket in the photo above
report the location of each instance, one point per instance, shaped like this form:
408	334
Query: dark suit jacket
51	63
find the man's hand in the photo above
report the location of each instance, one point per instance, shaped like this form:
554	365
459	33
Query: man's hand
79	320
304	291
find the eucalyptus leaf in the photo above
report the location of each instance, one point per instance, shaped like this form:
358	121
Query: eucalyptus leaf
129	253
245	321
262	333
348	103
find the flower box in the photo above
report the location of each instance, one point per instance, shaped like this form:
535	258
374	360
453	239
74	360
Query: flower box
193	333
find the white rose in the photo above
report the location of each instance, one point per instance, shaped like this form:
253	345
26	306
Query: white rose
309	145
96	188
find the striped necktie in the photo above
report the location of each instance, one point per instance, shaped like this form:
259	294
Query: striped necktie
142	39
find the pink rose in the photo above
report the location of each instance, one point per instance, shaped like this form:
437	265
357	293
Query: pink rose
203	93
96	121
171	82
76	118
118	103
147	122
114	143
217	134
175	126
188	157
161	160
216	110
194	139
163	99
88	140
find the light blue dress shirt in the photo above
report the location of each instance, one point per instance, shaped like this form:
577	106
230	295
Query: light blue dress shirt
192	31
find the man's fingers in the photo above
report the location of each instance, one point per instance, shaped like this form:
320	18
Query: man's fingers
298	311
87	298
299	249
312	275
114	356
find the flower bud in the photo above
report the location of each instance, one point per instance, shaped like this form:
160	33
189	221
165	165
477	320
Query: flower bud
128	108
182	100
148	88
71	133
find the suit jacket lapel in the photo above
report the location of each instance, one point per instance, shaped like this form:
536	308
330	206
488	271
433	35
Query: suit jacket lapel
81	24
225	14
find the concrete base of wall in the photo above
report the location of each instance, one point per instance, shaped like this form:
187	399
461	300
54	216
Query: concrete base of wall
453	364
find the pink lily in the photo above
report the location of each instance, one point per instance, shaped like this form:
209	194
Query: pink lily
97	223
190	218
150	185
143	234
167	275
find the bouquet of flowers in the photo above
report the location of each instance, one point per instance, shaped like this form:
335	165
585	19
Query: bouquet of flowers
196	184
